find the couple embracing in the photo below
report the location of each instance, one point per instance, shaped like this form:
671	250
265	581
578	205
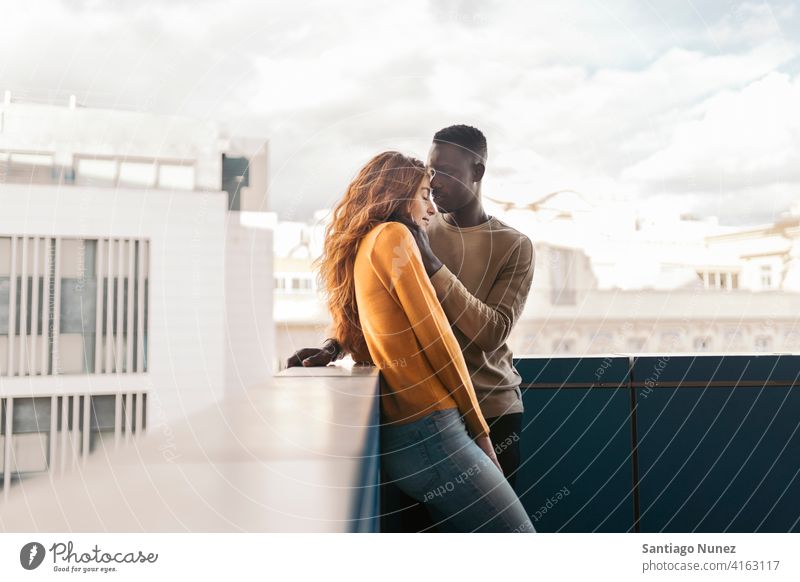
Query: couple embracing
430	298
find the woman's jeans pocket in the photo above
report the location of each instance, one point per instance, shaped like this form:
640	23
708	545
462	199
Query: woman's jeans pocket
406	460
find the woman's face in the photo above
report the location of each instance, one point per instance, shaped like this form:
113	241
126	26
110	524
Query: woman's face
421	207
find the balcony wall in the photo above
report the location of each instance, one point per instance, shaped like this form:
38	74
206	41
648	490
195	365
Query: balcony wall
661	443
295	453
621	443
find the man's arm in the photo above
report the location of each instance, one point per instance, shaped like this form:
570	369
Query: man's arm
488	324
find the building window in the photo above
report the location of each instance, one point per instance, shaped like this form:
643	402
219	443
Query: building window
702	344
636	344
27	168
295	283
719	279
96	172
138	174
763	343
235	177
670	341
177	177
564	346
766	276
733	339
562	276
45	168
302	284
601	342
530	343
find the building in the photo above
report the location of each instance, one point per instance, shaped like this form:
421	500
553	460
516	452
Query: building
123	238
609	278
612	280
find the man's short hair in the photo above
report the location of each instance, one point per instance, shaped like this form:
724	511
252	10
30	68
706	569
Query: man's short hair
466	137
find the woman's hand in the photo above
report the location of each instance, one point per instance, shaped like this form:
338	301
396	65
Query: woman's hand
311	357
485	443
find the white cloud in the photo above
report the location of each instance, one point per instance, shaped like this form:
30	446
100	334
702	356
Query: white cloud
750	22
745	138
594	95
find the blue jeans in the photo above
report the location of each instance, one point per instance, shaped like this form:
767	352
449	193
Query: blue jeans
435	461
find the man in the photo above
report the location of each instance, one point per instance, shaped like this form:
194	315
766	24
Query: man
482	271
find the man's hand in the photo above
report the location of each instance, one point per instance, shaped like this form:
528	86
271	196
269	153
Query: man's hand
485	443
310	357
429	260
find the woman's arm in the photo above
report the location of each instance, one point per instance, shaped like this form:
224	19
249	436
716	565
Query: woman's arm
314	357
362	357
396	260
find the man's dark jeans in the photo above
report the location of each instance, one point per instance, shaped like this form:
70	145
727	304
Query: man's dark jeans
401	513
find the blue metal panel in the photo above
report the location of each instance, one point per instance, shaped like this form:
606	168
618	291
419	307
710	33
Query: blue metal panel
717	458
576	440
718	368
591	370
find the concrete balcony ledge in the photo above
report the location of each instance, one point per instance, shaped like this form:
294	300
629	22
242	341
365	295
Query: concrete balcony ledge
609	443
285	456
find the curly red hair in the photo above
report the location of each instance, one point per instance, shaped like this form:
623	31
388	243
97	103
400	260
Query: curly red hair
382	190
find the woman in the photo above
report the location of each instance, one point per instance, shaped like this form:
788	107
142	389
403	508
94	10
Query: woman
385	311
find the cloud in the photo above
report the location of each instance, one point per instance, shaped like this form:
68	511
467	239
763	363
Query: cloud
744	139
751	22
570	94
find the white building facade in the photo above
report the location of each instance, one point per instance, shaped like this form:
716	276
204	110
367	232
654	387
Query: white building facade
118	246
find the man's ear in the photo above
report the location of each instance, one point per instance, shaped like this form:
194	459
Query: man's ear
478	170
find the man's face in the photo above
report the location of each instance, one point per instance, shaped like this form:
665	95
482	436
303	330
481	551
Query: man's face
453	183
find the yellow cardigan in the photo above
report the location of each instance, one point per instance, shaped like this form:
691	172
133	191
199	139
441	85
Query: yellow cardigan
407	332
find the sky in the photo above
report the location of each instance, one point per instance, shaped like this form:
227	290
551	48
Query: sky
679	106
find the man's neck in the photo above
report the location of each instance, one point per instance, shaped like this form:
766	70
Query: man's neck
470	215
